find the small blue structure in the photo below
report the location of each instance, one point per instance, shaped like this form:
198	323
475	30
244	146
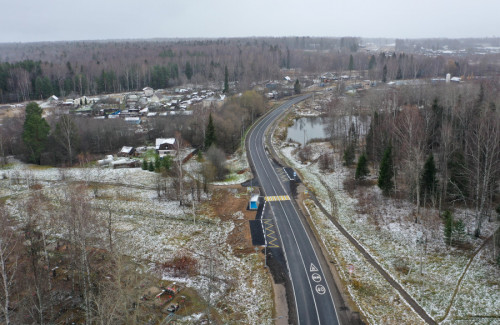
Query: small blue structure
254	202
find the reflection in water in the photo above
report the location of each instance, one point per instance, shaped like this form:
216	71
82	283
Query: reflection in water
306	129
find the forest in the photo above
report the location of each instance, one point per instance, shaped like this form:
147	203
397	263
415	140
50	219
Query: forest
35	71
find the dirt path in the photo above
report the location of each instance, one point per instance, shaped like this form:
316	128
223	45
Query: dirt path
452	300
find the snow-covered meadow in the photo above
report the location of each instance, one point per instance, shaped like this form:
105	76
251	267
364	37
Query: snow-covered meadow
154	231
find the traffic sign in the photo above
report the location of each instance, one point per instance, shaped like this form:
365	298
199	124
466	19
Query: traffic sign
313	268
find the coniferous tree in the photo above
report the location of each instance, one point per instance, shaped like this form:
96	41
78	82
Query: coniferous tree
362	167
188	71
296	87
35	132
210	133
351	63
226	80
151	166
399	74
144	164
384	73
386	172
429	181
372	63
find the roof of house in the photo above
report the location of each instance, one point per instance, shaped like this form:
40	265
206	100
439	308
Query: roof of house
161	141
126	149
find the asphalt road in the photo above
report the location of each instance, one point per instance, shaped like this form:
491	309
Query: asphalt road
313	298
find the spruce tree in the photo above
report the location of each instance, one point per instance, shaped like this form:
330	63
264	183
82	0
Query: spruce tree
386	172
188	71
210	133
372	63
296	87
151	166
144	164
35	132
362	167
226	80
428	184
351	63
384	73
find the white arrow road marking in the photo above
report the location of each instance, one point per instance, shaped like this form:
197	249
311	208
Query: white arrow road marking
313	268
316	277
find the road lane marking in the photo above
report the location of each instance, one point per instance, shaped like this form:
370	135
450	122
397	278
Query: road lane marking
274	198
270	234
320	289
313	268
316	277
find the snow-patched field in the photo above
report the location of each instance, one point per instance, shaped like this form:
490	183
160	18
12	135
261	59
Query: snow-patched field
386	228
154	231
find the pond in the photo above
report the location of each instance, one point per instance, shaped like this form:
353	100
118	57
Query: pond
319	128
308	128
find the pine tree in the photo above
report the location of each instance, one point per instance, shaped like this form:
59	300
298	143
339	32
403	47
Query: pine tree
210	133
226	80
296	87
151	166
35	132
144	164
386	173
429	181
362	167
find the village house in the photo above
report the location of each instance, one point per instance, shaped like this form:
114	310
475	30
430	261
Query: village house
165	145
126	151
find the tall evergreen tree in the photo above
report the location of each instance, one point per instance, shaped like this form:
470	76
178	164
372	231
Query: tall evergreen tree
386	172
372	63
362	167
188	71
384	73
351	63
429	181
226	80
210	138
296	87
349	154
35	132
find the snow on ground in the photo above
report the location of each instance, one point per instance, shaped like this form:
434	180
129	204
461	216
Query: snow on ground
389	233
154	231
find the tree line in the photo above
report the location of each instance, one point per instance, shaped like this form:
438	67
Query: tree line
36	71
436	145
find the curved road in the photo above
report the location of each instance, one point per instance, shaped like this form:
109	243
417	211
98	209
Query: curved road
313	299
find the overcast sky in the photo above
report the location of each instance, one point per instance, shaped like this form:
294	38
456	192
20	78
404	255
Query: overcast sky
55	20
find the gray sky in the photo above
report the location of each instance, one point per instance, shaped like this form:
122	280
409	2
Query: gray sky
55	20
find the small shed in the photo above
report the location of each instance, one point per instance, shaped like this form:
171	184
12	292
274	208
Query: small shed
126	151
254	202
